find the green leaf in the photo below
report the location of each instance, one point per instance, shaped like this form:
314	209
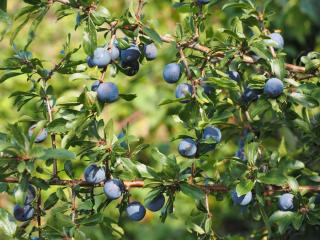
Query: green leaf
258	107
77	76
274	177
236	5
278	67
282	219
293	184
90	38
40	183
7	223
6	20
62	154
128	97
208	225
68	168
251	152
297	221
146	171
152	34
109	132
51	201
123	43
261	50
8	75
20	194
224	83
130	166
58	125
244	186
35	24
91	220
304	100
191	191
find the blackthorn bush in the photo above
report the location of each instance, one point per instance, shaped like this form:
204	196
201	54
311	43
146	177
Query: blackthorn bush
244	124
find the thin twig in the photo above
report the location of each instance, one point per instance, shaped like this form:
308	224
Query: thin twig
201	48
220	54
39	213
185	63
132	118
140	184
139	9
73	207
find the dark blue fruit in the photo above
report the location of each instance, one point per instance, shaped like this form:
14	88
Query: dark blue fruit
172	73
207	88
42	135
113	188
187	147
317	200
90	62
23	213
183	90
203	1
286	202
277	40
212	132
95	85
94	174
157	203
241	200
135	211
273	87
115	53
31	195
240	153
130	55
130	68
250	95
150	51
101	57
120	137
107	92
234	75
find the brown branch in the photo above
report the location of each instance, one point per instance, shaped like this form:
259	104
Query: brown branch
103	74
185	63
73	205
62	1
139	9
74	182
196	46
17	158
271	189
247	59
132	118
39	213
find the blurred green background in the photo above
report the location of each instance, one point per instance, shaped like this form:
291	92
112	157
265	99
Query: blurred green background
297	19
